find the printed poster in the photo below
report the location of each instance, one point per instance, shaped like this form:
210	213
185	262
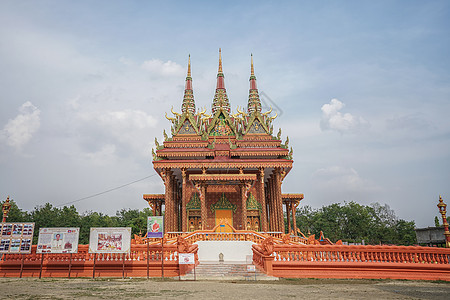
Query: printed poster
16	237
155	227
58	240
110	240
186	258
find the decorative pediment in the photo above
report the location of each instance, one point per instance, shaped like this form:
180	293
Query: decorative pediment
252	203
221	125
223	204
256	125
187	125
194	203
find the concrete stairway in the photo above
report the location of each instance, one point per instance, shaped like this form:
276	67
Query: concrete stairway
225	271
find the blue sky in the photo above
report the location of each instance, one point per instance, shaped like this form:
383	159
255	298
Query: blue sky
362	89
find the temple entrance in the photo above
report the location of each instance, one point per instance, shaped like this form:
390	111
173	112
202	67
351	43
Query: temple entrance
227	216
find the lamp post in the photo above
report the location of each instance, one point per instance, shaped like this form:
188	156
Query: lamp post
443	210
5	208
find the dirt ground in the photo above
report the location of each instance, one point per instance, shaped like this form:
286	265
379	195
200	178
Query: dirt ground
33	288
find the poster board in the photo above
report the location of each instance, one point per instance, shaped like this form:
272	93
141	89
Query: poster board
186	259
155	227
16	237
58	240
110	240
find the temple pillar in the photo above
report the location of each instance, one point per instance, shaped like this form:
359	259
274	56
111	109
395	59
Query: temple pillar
263	200
288	208
294	210
243	206
168	199
201	188
183	202
271	205
175	204
279	200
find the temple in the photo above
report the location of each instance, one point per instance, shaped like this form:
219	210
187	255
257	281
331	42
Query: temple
223	170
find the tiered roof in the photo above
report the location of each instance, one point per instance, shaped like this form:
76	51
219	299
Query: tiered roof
221	139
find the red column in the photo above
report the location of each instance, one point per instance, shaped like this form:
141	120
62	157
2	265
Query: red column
262	198
294	211
243	207
175	204
168	199
183	202
279	200
288	208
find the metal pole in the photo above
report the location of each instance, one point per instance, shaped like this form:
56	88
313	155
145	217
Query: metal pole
40	270
162	257
148	258
21	266
123	265
93	270
70	264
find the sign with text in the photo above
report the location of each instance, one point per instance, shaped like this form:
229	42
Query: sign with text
110	240
58	240
186	258
155	227
16	237
251	268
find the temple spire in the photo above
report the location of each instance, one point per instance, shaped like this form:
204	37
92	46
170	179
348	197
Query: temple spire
188	99
189	67
254	103
220	60
252	69
220	97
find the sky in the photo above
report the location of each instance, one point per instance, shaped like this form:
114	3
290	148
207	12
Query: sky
362	89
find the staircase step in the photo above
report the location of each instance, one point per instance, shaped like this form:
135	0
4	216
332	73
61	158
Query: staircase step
218	271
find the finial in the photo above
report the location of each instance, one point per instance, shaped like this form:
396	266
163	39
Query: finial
220	60
253	71
189	67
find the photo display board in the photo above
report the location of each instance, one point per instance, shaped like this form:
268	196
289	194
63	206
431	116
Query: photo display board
58	240
110	240
16	237
155	227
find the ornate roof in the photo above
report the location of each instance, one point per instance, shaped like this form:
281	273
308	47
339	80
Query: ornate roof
222	139
223	204
194	203
252	203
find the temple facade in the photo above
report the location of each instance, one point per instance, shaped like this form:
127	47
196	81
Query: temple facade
223	170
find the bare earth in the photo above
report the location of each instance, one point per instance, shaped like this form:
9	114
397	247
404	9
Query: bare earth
314	289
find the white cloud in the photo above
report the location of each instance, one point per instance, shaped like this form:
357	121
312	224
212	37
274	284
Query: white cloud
128	130
343	180
333	119
19	131
159	67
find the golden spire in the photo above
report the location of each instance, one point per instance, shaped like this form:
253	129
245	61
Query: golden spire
253	71
220	60
189	67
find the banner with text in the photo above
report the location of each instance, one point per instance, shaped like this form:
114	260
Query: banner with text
16	237
58	240
110	240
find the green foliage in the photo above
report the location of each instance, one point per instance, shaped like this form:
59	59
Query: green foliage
436	222
49	216
353	222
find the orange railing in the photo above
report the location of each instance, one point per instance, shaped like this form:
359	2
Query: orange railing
82	264
340	261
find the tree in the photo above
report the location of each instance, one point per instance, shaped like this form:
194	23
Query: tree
353	222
